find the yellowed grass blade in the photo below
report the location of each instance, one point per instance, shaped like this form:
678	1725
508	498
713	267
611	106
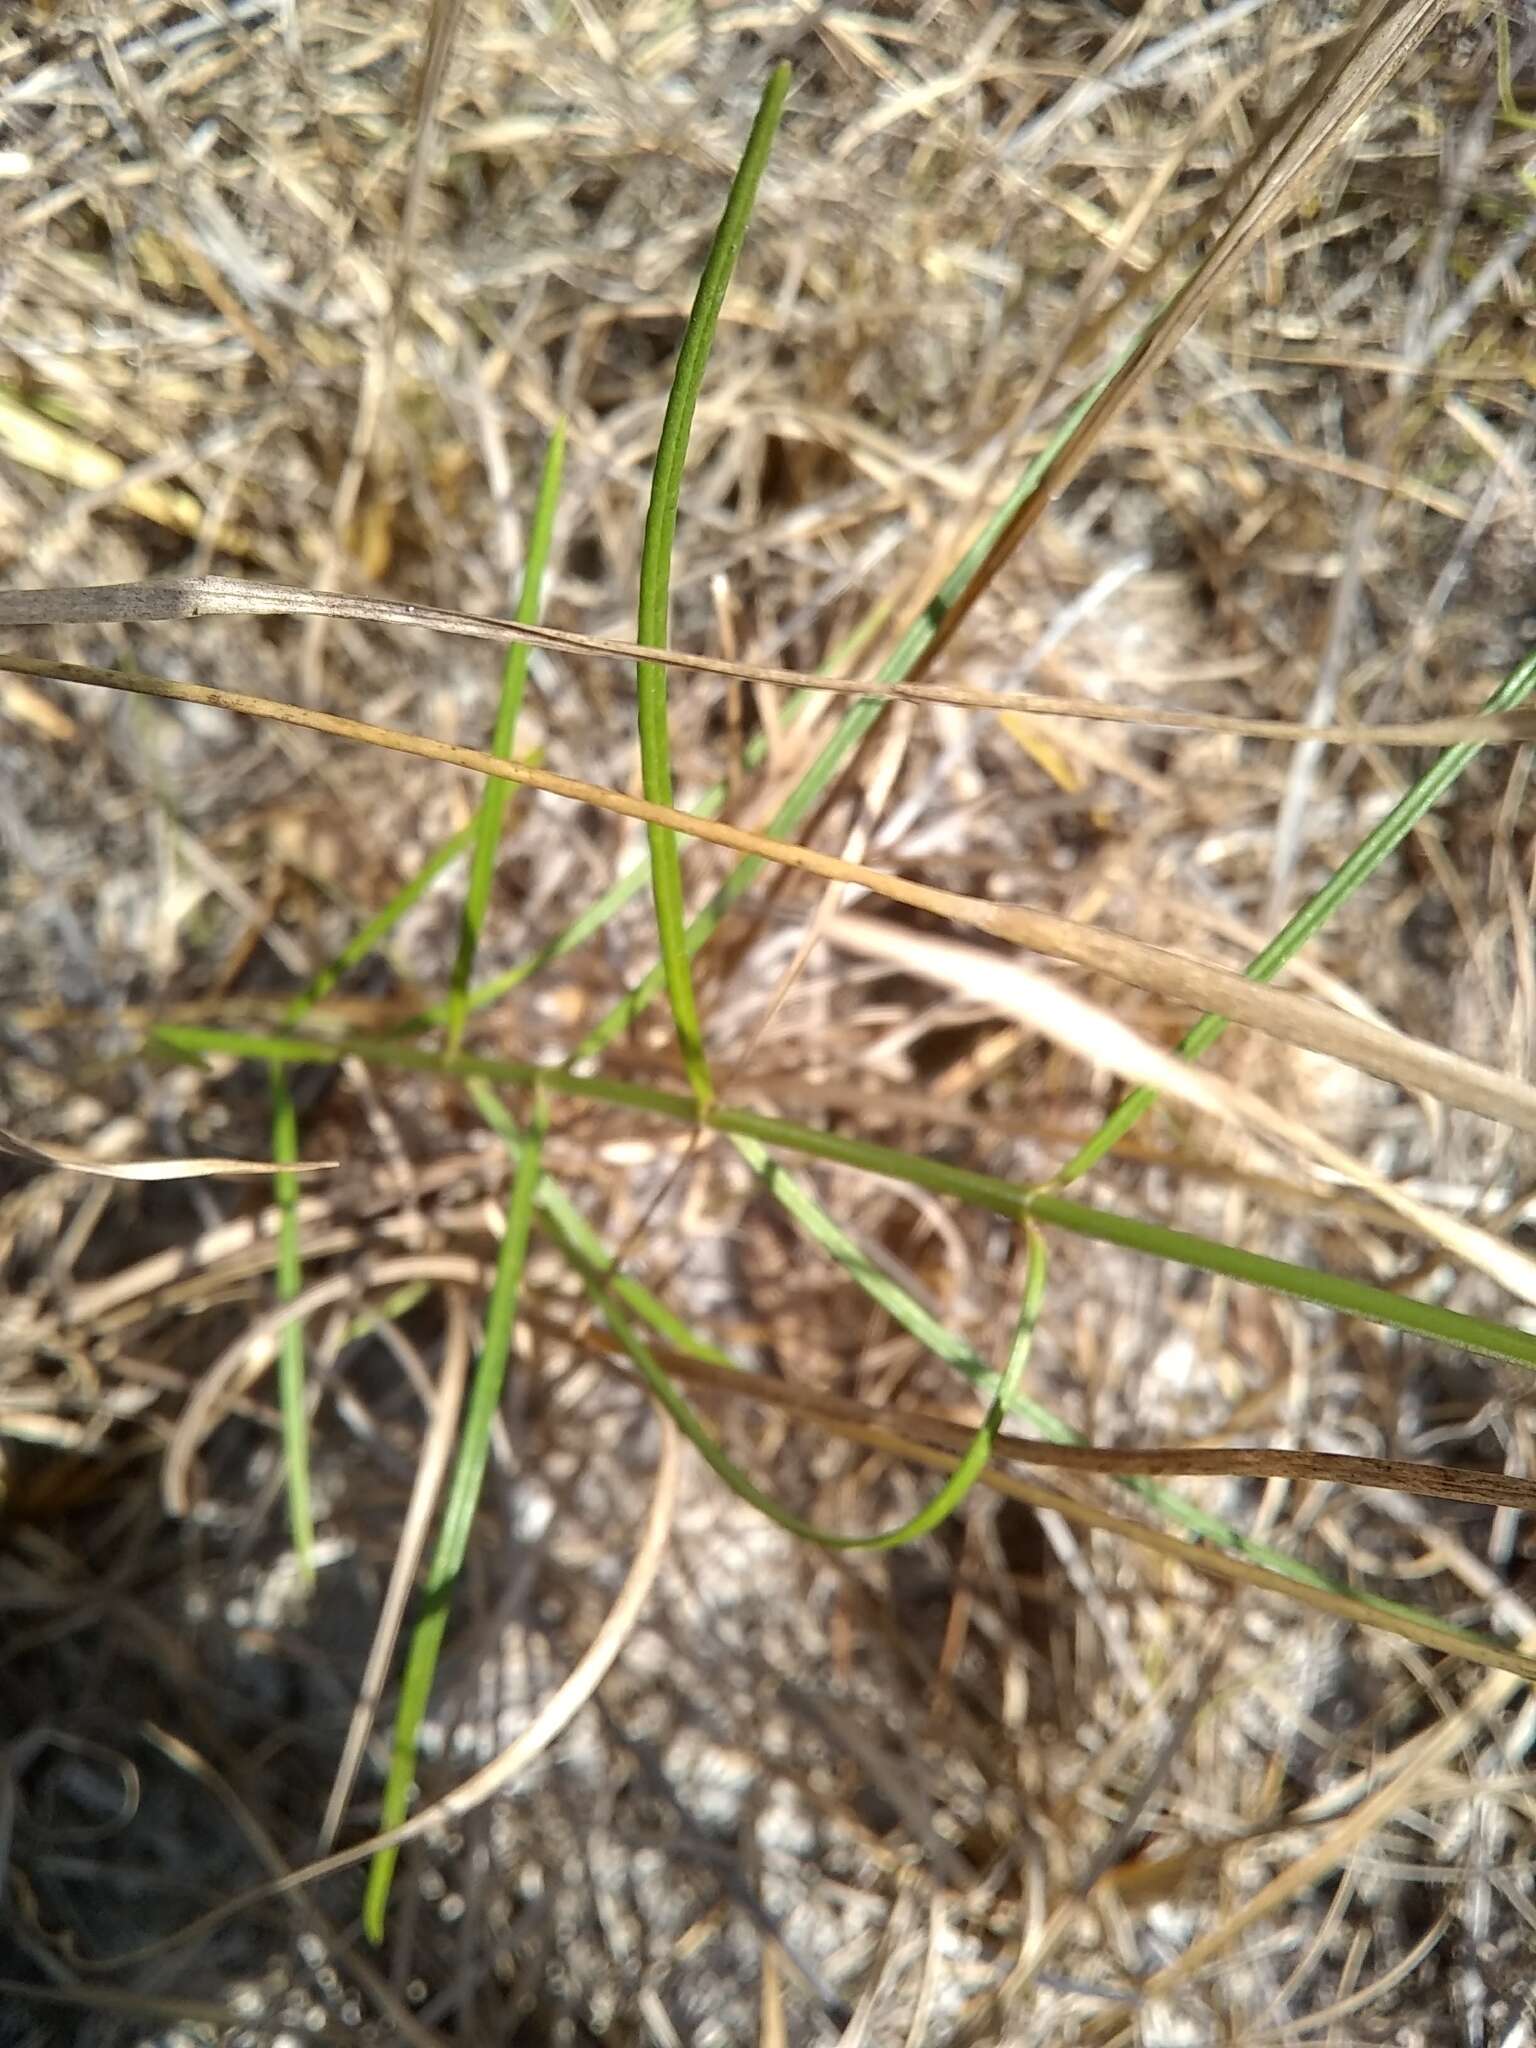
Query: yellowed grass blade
1410	1063
1096	1035
1288	158
66	1156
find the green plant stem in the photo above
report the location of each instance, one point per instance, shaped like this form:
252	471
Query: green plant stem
458	1517
493	798
656	575
468	1477
943	1503
291	1373
708	804
982	1190
1313	915
570	1229
368	936
848	735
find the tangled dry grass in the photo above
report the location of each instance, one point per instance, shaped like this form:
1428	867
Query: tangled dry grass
1022	1781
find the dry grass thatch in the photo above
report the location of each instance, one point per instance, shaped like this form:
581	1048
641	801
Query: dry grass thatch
282	302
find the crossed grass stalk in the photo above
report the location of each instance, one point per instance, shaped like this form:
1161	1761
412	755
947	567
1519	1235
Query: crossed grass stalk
639	1322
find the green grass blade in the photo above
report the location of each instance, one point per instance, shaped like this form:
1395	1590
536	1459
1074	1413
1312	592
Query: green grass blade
369	936
1313	914
1469	1333
458	1519
567	1222
708	804
291	1373
912	1316
1370	1609
950	1494
493	798
845	738
291	1365
656	575
490	1372
966	1184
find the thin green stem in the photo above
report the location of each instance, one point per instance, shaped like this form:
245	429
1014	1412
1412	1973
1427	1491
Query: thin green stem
848	735
568	1225
982	1190
526	1149
656	575
708	804
1313	914
368	936
944	1502
291	1364
458	1517
493	797
291	1374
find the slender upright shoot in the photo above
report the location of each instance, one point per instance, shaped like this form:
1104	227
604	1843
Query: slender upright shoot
656	576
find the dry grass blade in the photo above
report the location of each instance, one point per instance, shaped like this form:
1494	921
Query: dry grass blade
1408	1767
72	1160
204	597
386	1999
1298	1020
242	1362
97	1998
1095	1034
441	30
1199	1557
1347	81
1167	1461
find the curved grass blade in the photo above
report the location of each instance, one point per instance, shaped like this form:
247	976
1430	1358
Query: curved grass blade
656	575
959	1479
1248	1555
369	936
493	797
289	1276
848	734
571	1227
708	804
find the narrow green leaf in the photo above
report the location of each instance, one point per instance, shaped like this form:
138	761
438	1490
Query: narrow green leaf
843	741
983	1190
526	1148
1371	1609
1313	914
291	1364
708	804
458	1519
656	575
569	1226
493	798
291	1375
369	936
944	1502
